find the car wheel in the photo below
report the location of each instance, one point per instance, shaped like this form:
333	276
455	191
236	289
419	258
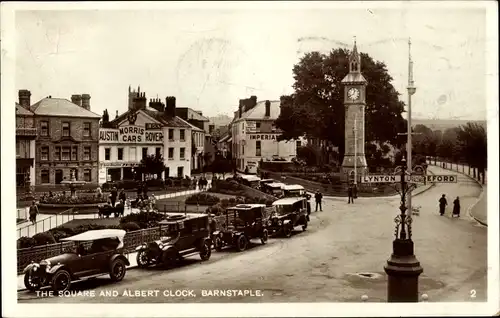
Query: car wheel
206	251
265	237
169	259
142	259
287	231
218	244
242	243
304	227
31	282
61	281
117	270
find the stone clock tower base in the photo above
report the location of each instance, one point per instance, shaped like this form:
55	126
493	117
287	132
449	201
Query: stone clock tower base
348	166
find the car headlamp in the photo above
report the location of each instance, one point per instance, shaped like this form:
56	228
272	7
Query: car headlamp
279	222
269	223
47	265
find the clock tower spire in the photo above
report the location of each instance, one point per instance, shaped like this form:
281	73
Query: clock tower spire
354	163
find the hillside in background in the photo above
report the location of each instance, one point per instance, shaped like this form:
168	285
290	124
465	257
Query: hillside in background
443	124
220	120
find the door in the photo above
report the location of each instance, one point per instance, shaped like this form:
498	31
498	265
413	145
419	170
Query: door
59	176
180	172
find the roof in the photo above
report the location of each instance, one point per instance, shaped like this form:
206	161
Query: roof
248	206
259	111
193	127
96	235
165	120
192	114
225	138
276	184
21	111
267	180
293	187
250	178
355	77
285	201
180	218
61	107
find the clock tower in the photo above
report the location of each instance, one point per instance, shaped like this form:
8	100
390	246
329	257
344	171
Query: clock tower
354	163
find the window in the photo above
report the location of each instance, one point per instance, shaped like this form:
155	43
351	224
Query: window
183	135
74	153
86	153
183	153
120	153
44	128
132	154
65	129
171	153
170	134
86	129
66	153
298	143
107	153
57	153
242	150
87	176
45	176
144	152
257	148
158	152
257	125
45	153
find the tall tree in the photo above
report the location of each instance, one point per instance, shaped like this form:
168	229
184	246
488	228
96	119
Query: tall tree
152	165
474	144
316	109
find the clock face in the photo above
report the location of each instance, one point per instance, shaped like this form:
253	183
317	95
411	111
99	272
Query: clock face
353	93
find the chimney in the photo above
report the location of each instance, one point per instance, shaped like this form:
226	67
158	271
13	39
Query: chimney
105	116
25	98
116	115
240	111
76	99
253	100
268	108
86	101
140	101
170	107
157	105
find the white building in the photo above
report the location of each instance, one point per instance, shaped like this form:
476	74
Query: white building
254	136
143	131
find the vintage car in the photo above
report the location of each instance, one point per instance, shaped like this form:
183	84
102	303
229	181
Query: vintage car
102	257
295	190
250	181
242	223
182	235
289	213
275	189
264	182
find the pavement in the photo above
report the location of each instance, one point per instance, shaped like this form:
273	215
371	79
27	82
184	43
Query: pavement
324	263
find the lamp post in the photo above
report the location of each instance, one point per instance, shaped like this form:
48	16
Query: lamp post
355	129
411	90
402	267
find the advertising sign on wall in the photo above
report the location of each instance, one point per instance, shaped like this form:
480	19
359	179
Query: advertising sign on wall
130	134
264	136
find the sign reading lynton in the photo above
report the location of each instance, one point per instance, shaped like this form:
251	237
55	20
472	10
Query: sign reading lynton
410	178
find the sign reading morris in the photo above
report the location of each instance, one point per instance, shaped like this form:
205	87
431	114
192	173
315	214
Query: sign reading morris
130	134
264	136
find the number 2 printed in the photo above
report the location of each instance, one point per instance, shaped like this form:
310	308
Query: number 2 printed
472	293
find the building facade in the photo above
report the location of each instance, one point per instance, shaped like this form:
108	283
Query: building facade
141	131
25	141
254	136
67	140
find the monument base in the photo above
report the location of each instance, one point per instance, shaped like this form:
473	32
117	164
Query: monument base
348	166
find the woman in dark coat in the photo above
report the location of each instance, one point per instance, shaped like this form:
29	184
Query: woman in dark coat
456	207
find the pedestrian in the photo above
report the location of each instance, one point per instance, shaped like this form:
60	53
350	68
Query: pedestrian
51	195
442	204
122	196
153	202
145	191
33	212
99	192
456	207
113	196
318	196
193	183
350	194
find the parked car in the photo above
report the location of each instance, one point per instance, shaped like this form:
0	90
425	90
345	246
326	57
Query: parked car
250	181
183	235
264	182
295	190
79	262
275	189
289	213
243	223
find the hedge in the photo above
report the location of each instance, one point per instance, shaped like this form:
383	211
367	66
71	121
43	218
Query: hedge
202	199
73	200
156	183
143	219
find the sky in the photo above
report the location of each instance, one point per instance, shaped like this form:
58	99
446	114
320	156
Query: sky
209	59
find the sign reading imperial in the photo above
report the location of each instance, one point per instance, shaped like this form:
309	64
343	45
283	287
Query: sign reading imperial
130	134
264	136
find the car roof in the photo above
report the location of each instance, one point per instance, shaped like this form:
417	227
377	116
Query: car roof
184	217
250	178
247	206
293	187
276	184
286	201
96	235
267	180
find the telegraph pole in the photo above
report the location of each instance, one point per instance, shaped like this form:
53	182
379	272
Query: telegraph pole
411	90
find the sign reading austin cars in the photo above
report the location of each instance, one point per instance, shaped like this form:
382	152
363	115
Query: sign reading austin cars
409	178
130	134
264	136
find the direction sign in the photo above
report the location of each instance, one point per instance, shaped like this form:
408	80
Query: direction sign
381	178
415	179
441	178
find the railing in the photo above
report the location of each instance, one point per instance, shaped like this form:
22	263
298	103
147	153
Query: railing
46	224
464	168
26	132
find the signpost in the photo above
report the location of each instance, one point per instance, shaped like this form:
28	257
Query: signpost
410	178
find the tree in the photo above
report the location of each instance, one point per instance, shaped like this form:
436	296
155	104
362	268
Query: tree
316	109
473	142
221	164
152	165
449	147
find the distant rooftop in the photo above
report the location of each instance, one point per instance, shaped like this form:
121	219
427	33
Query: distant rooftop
61	107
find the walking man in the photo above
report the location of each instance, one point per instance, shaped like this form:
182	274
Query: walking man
350	194
33	212
442	204
113	196
318	196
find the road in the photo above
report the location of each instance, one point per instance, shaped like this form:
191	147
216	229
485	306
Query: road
322	264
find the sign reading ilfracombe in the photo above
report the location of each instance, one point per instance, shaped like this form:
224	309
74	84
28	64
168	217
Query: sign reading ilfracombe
130	134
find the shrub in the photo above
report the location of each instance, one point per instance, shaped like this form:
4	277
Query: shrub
143	219
44	238
130	226
25	242
155	183
124	184
61	232
202	199
73	200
